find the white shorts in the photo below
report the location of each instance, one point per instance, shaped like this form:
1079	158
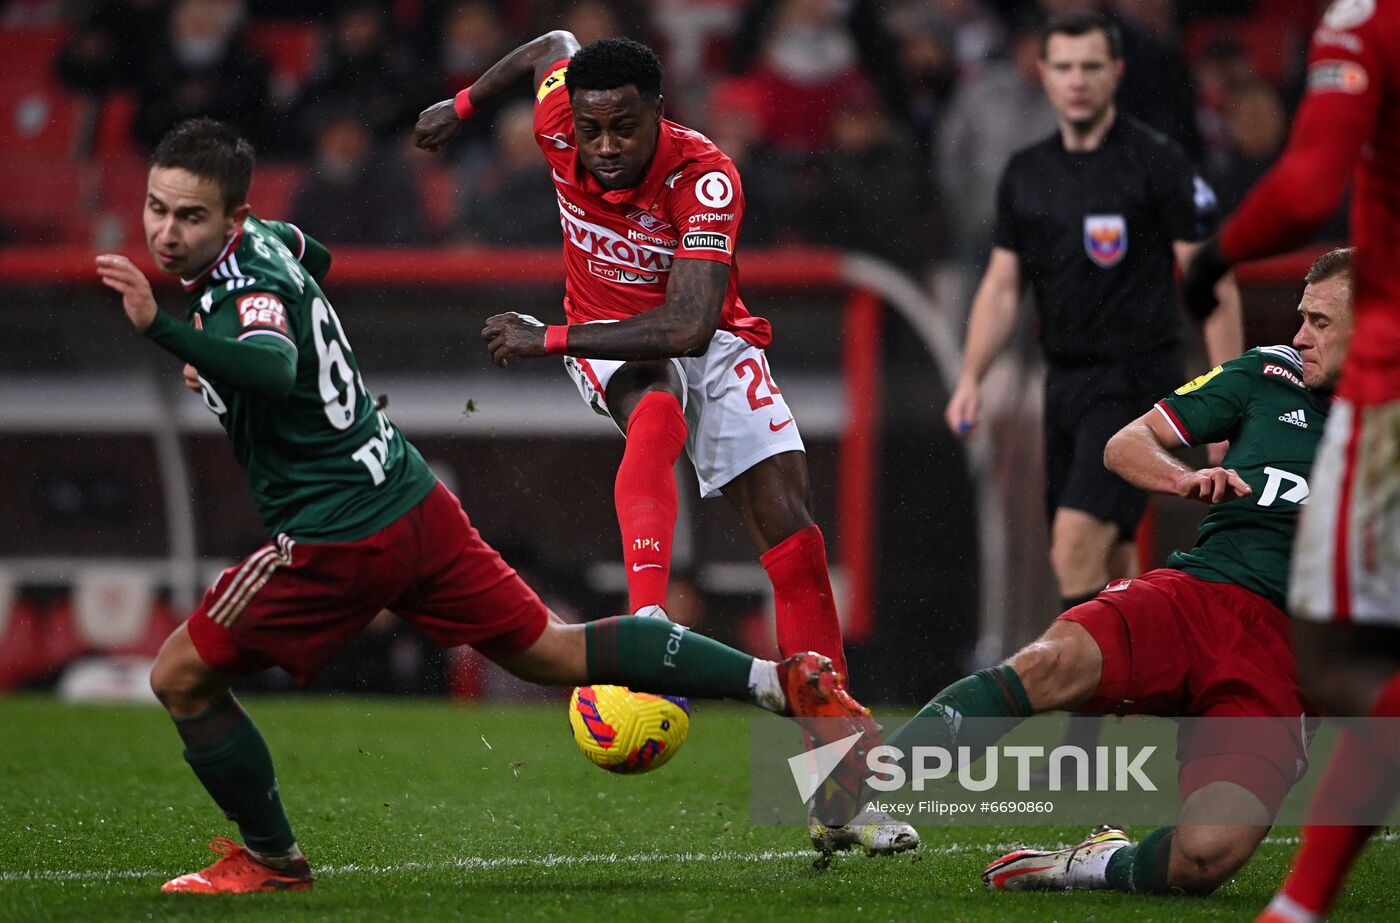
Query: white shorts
1346	557
735	414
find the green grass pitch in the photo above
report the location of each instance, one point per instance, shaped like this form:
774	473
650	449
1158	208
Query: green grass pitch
422	811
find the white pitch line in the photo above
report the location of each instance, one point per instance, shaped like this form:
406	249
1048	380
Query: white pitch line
469	863
482	864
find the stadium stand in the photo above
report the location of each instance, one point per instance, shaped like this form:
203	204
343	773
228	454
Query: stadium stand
73	176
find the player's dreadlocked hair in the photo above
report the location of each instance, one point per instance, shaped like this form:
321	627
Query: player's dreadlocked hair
610	63
210	150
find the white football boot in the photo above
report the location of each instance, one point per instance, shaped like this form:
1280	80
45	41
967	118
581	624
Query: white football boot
1080	867
876	832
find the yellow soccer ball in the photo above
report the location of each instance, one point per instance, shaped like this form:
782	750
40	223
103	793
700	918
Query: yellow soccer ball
624	731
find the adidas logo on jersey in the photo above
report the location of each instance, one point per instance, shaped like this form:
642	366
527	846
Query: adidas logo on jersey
1295	417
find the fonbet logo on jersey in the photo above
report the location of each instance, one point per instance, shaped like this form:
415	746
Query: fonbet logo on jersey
706	240
262	310
1279	371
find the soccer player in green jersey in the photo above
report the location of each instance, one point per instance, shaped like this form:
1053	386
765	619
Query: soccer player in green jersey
360	523
1205	636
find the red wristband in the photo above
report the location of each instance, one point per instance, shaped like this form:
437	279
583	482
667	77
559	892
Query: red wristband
556	339
463	104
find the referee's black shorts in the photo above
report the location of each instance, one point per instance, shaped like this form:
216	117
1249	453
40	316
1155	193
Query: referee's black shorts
1084	407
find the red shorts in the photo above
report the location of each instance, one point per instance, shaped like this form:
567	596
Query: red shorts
1176	645
297	604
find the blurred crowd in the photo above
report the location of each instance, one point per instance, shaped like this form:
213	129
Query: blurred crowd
876	126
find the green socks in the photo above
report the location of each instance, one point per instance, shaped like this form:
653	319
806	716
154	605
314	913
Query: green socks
226	752
657	656
993	693
1141	868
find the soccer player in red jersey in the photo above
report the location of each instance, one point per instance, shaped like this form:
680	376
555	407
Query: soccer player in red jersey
1345	591
657	337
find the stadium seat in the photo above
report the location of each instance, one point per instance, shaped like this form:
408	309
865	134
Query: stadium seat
274	187
291	50
1266	43
37	115
21	643
44	198
35	641
62	642
113	140
120	198
437	187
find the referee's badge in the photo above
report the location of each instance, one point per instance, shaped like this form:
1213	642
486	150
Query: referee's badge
1105	239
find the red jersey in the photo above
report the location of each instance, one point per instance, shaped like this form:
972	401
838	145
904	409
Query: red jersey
619	243
1348	127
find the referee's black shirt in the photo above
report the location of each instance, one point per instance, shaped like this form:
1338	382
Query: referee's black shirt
1093	231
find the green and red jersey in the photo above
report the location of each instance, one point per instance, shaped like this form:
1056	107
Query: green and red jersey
324	464
1273	423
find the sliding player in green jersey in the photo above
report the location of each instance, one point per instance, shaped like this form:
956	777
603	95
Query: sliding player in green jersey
360	523
1205	636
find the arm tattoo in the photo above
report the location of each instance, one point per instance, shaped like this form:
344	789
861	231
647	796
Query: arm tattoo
682	325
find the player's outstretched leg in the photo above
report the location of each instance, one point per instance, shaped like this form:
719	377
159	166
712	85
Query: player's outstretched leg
668	659
1058	670
232	762
816	695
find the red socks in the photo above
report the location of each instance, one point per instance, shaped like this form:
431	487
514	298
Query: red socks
1361	779
806	609
645	493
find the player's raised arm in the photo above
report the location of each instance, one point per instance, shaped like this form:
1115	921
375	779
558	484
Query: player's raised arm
438	123
682	325
990	325
1139	454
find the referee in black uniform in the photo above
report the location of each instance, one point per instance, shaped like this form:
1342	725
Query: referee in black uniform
1093	217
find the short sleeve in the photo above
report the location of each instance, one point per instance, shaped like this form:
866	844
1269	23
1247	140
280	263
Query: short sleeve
1211	407
706	207
1004	233
554	118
